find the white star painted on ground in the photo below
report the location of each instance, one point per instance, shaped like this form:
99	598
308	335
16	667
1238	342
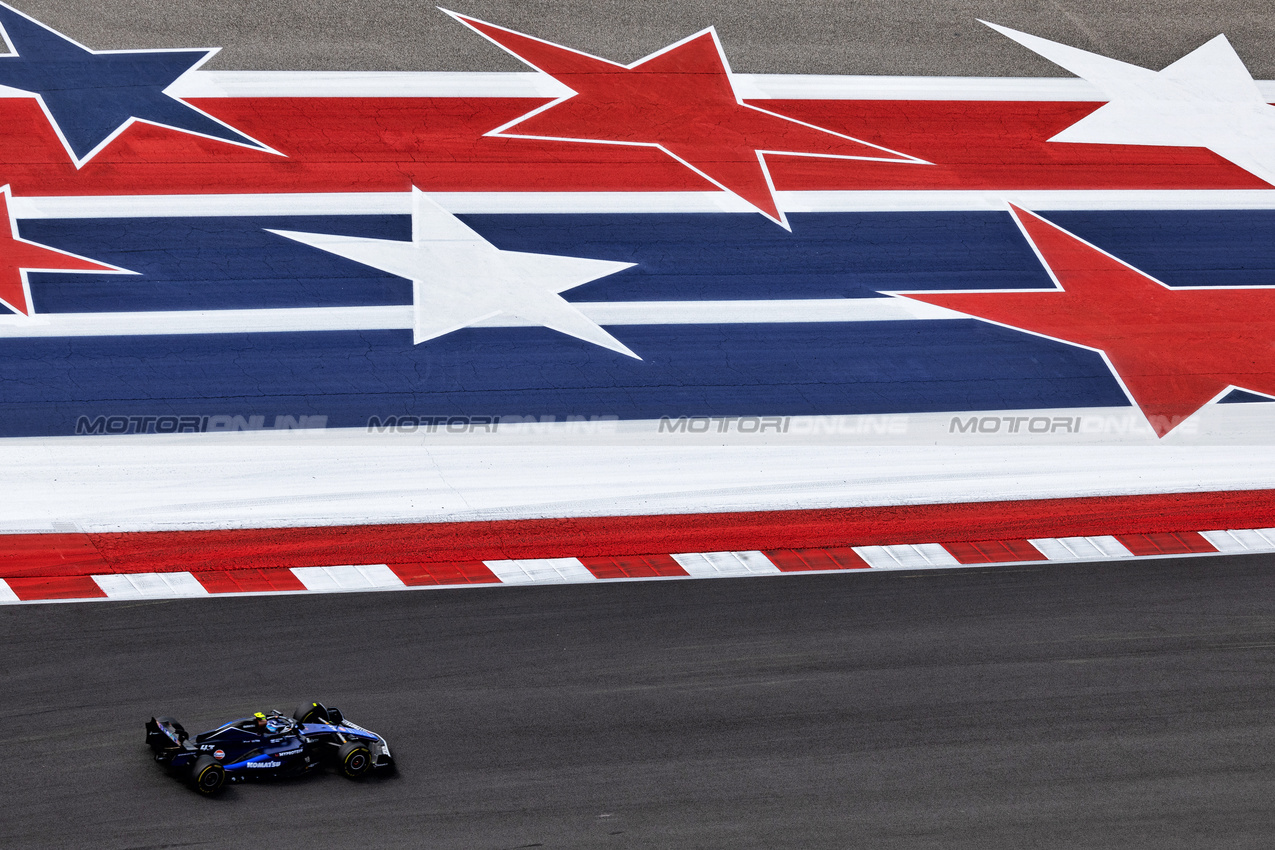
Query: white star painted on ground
460	279
1206	99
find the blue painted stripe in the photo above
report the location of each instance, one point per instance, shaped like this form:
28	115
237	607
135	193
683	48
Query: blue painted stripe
232	263
687	370
857	255
212	264
1184	247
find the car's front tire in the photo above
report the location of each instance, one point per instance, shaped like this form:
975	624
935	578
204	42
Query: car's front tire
354	759
207	775
310	712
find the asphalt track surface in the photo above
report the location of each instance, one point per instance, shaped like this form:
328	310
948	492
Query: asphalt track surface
1093	705
1043	706
905	37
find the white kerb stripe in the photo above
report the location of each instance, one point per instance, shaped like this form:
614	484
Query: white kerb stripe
541	571
1081	548
348	577
150	585
722	564
1242	539
6	593
907	556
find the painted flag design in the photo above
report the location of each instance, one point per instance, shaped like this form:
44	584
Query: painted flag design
665	247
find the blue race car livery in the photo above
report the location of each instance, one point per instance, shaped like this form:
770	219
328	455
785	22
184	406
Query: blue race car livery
268	745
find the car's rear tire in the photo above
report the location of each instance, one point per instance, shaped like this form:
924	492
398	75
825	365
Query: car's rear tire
354	759
310	712
207	775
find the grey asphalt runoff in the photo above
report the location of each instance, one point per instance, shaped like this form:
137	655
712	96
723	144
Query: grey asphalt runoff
1070	706
907	37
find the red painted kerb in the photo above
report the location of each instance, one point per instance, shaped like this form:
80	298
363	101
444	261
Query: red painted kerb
63	554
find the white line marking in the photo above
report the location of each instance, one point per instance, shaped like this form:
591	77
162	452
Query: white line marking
6	593
201	83
150	585
208	322
309	319
541	571
1242	540
726	564
348	577
394	84
907	556
600	203
1081	548
1040	200
148	206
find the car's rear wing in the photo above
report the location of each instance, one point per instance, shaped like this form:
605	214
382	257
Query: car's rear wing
164	733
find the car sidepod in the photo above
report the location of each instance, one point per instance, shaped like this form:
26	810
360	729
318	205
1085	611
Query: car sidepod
289	755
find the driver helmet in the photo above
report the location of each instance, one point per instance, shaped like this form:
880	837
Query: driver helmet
274	725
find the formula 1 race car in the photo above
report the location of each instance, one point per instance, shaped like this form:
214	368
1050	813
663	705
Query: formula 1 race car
268	745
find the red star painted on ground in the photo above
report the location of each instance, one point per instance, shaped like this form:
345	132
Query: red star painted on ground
679	99
1173	350
19	256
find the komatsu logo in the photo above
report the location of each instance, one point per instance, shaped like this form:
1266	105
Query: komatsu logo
264	764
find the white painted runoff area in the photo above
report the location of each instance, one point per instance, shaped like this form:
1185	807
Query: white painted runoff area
290	478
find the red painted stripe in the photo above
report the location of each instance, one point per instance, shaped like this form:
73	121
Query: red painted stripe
63	554
987	145
389	144
994	551
32	588
249	581
456	572
432	543
1166	543
802	560
633	566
